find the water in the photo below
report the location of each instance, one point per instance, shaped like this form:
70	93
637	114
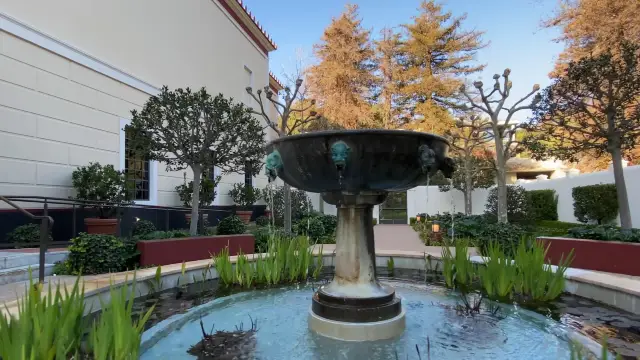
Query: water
283	332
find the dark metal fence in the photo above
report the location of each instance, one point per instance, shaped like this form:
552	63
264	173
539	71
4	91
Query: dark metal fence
69	214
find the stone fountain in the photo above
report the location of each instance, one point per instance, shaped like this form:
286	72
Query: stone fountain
355	170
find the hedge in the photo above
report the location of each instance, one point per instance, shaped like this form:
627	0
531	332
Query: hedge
597	203
543	204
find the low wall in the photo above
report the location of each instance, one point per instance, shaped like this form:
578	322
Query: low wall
608	256
173	251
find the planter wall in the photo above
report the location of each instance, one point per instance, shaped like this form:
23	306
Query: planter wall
173	251
608	256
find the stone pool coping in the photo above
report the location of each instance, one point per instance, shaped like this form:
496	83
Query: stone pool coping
619	291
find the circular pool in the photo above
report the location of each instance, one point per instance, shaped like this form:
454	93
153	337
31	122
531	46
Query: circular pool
433	325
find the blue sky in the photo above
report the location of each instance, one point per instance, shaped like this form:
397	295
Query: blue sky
512	27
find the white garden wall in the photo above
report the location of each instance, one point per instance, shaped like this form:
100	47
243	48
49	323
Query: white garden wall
432	201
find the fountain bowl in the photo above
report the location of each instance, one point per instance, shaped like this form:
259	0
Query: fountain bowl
358	160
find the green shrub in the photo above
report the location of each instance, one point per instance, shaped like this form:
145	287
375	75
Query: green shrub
598	203
159	235
330	223
312	227
543	204
95	182
300	204
26	234
97	254
263	221
606	233
231	225
412	220
518	207
375	221
244	195
207	191
142	227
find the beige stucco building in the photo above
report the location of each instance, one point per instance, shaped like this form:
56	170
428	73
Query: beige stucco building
72	70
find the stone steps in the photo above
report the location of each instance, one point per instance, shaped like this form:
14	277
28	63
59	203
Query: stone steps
14	266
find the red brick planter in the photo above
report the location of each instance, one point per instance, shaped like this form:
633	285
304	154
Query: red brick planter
609	256
172	251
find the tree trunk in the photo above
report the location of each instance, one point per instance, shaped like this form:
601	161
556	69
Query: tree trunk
501	180
287	208
195	199
621	189
321	204
468	188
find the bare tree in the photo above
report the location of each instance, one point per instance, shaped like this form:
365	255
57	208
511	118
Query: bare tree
504	131
475	165
294	112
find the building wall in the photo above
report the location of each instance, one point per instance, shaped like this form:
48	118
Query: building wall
72	70
440	202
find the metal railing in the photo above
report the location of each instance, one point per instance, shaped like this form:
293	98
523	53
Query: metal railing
46	221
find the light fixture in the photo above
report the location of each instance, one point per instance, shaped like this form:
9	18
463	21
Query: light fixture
435	227
418	218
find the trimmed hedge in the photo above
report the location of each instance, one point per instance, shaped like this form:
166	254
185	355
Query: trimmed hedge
518	207
606	233
543	204
26	235
597	203
143	227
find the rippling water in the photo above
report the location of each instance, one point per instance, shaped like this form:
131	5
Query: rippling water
283	333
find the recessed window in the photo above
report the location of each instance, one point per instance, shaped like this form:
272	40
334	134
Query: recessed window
248	174
137	171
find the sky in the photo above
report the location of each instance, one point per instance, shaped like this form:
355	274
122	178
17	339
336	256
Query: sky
512	29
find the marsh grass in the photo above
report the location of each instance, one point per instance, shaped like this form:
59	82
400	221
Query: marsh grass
287	260
52	326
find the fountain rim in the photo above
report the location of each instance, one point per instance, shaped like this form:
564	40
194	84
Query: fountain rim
324	133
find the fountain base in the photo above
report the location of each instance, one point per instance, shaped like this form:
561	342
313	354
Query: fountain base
357	331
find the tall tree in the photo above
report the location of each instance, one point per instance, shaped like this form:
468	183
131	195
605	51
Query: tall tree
437	54
504	130
388	57
475	165
342	81
593	27
295	113
192	129
594	108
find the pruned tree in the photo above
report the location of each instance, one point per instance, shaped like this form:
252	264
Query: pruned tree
475	167
436	54
594	108
295	113
182	128
503	129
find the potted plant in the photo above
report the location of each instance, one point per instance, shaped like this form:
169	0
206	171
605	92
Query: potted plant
107	188
207	193
244	196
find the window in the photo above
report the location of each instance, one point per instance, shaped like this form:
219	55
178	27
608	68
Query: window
142	174
136	169
248	174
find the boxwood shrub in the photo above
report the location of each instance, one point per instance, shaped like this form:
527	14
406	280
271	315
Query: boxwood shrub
142	227
543	204
595	203
231	225
97	254
27	235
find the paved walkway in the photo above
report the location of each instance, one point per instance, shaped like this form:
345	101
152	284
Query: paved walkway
401	238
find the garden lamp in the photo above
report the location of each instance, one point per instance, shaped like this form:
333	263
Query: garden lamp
435	227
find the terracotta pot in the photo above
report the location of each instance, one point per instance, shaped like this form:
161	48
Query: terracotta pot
101	226
267	213
245	215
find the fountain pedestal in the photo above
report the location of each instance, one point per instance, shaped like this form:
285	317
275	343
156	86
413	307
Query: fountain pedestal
354	306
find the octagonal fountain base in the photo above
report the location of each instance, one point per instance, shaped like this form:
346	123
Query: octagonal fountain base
355	331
